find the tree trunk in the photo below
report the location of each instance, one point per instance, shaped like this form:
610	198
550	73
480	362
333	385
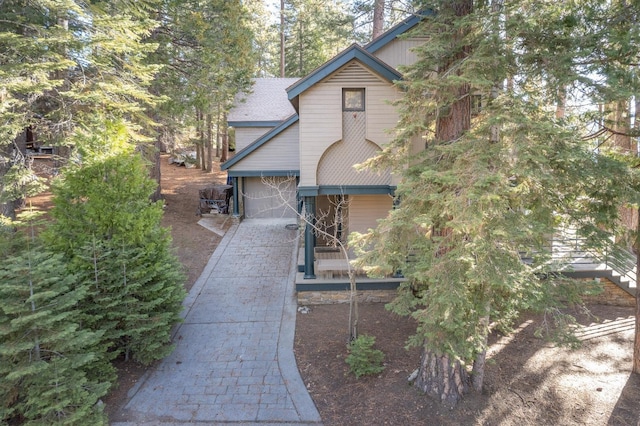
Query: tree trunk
282	38
224	155
439	375
354	315
378	18
7	208
477	374
635	368
636	341
442	378
152	154
218	126
301	49
622	125
209	162
200	144
562	101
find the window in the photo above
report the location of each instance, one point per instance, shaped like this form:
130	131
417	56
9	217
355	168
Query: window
353	99
476	104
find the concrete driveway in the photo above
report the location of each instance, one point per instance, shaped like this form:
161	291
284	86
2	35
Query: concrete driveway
233	361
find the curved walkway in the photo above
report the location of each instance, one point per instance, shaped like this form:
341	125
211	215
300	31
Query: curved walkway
233	361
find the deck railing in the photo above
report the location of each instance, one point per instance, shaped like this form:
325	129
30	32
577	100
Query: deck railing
570	252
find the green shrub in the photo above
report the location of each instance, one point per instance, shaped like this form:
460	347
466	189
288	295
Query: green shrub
363	359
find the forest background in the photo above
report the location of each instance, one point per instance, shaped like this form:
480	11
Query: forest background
106	86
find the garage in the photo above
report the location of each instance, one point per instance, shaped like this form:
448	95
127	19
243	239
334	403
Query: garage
269	197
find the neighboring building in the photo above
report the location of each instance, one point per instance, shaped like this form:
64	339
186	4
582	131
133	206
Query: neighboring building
297	141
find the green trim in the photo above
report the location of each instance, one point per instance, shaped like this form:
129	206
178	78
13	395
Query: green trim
260	173
337	284
284	125
352	52
253	123
401	28
312	191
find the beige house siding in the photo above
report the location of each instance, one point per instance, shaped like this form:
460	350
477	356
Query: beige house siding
336	167
365	210
321	107
382	117
398	52
262	200
246	135
280	153
416	148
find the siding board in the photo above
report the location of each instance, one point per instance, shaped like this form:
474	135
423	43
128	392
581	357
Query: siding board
280	153
398	52
365	210
246	135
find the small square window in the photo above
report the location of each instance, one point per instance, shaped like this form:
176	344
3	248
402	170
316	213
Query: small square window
353	99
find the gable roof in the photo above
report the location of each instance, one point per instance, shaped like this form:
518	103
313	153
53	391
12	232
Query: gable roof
398	29
265	106
243	153
352	52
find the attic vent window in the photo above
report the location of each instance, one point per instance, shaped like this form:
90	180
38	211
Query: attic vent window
353	99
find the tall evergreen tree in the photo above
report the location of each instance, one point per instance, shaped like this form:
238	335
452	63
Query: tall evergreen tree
110	234
52	368
67	67
315	31
499	172
208	55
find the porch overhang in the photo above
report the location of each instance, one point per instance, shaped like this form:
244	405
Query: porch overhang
314	191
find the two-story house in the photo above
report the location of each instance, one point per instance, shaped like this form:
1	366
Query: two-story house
298	140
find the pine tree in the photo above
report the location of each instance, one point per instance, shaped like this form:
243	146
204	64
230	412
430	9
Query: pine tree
314	32
208	55
47	353
109	230
481	188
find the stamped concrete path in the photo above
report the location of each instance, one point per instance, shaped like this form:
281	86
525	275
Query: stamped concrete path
233	362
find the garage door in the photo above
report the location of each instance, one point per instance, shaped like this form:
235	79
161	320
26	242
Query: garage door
271	199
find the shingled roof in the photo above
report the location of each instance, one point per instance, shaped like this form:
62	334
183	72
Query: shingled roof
266	105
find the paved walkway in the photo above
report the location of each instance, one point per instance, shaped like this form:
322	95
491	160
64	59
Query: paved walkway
234	360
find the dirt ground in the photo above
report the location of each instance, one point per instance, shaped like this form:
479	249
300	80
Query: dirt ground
528	382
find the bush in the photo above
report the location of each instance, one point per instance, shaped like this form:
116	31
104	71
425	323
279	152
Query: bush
363	359
111	236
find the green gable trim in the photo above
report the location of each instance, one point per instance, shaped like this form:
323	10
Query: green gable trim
253	123
261	173
312	191
399	29
352	52
284	125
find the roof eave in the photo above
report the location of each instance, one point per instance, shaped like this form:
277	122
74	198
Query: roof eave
398	29
285	124
353	52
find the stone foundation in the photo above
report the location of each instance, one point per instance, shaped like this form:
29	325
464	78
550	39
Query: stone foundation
612	295
334	297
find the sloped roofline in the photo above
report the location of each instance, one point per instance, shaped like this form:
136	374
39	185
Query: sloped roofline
243	153
250	123
352	52
398	29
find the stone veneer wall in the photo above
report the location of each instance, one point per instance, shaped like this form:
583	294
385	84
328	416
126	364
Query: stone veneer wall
612	295
334	297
